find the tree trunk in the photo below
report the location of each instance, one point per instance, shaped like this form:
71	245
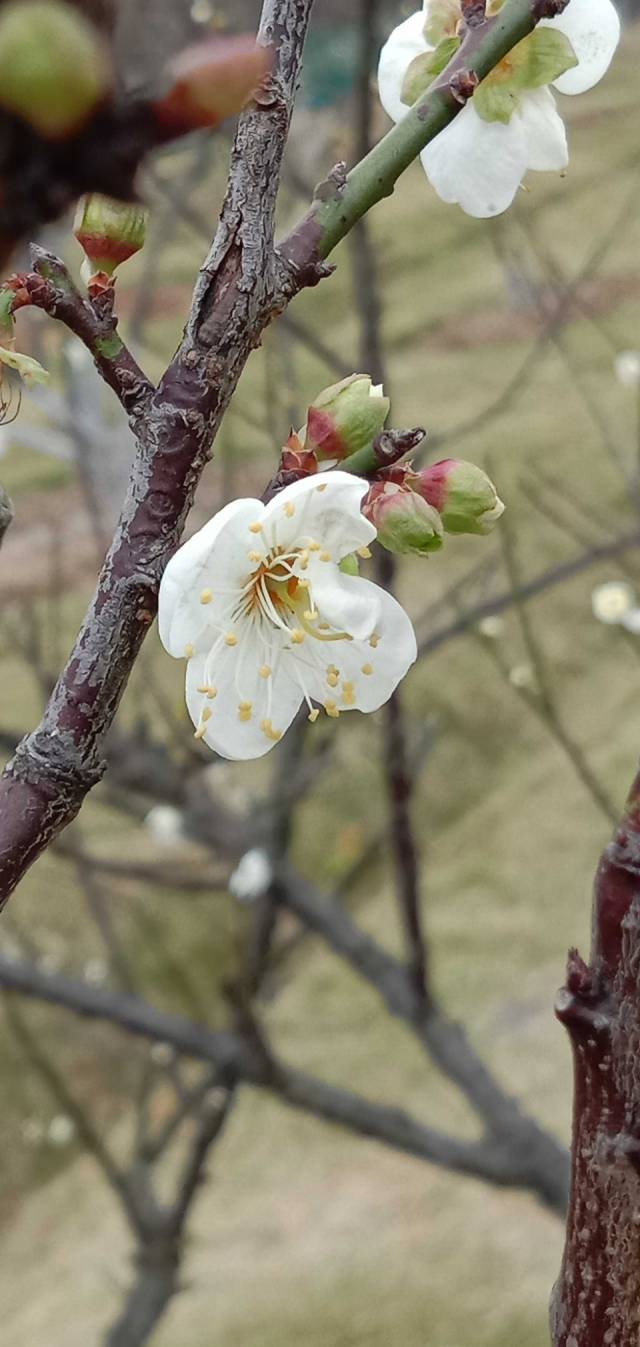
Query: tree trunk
596	1301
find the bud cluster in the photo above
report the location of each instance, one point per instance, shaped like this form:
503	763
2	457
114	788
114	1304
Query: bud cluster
410	509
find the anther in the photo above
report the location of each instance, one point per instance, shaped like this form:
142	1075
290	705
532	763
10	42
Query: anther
322	488
289	510
373	640
331	710
367	669
267	728
264	671
232	639
188	650
325	556
254	556
348	694
206	596
297	636
206	714
313	715
364	552
255	528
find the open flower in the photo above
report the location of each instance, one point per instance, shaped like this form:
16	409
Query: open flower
511	124
258	606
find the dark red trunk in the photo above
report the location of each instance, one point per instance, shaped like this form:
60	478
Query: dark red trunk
596	1301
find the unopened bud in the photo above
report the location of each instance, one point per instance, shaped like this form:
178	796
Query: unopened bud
212	80
109	232
345	417
54	67
405	522
462	494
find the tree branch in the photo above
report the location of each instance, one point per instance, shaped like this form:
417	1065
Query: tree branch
496	1161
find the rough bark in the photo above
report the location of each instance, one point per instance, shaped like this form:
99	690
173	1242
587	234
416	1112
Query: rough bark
47	780
596	1301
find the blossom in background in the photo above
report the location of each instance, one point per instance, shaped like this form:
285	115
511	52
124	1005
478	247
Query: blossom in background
611	601
257	604
252	876
627	368
511	123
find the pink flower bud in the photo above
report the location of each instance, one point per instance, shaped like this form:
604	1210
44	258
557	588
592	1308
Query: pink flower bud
462	494
109	232
212	80
345	417
405	522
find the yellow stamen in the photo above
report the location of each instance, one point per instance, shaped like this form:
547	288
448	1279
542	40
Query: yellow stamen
245	711
231	638
323	487
325	556
309	616
297	636
367	669
323	626
373	640
211	693
313	715
267	728
200	732
364	552
254	556
206	715
289	510
333	676
314	547
348	694
255	528
264	671
206	596
188	650
331	710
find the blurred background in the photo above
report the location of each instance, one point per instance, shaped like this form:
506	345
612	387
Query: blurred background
516	343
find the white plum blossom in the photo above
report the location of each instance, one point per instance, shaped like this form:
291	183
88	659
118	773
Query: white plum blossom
511	124
627	367
258	606
612	600
252	876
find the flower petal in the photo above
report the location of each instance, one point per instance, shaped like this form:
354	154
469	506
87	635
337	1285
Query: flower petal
325	511
478	165
593	29
544	131
370	669
216	555
347	602
405	43
249	713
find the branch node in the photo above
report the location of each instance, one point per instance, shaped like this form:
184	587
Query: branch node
463	83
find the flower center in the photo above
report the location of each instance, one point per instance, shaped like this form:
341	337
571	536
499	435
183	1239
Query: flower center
277	593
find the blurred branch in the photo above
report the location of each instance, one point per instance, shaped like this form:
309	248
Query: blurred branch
6	513
444	1041
510	1164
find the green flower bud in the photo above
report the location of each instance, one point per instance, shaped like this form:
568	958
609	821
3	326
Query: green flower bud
54	67
110	232
345	417
463	495
405	522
